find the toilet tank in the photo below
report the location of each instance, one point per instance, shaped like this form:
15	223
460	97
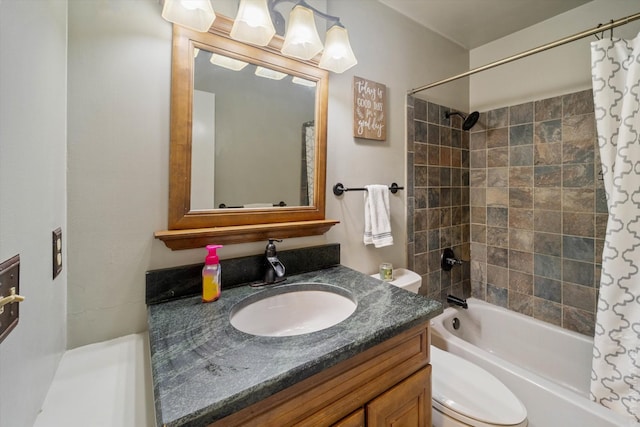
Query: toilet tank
405	279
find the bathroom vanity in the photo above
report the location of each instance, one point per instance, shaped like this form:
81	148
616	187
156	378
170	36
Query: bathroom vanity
370	369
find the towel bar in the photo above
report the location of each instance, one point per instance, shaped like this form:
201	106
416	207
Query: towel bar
338	189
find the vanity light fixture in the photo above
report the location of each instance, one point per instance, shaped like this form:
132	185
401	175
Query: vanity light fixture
226	62
197	15
301	40
269	74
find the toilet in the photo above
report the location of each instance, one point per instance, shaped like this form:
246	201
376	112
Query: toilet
464	394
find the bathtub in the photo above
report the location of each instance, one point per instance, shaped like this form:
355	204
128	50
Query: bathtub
547	367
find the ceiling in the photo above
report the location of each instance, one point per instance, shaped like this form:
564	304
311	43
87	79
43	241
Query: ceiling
473	23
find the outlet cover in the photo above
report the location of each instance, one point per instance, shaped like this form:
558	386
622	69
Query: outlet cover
56	242
9	278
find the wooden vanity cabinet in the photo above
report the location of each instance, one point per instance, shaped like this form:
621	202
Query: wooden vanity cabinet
389	384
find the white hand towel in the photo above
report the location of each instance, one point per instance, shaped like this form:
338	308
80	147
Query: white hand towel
377	220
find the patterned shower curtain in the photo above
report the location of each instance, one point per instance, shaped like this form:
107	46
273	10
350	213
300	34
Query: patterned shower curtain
615	375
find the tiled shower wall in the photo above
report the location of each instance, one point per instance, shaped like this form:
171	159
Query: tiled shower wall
537	209
438	198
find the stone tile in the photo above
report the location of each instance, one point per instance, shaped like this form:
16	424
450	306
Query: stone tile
547	154
445	217
445	136
497	137
521	240
478	252
421	177
521	134
478	215
521	176
578	248
420	131
478	178
478	290
601	225
420	150
498	157
445	197
445	156
456	157
578	103
497	296
478	159
433	113
548	244
497	276
547	311
421	219
548	109
578	199
521	155
520	282
433	154
498	197
456	138
547	221
497	217
479	271
578	296
521	303
521	261
547	289
433	260
420	245
445	177
464	140
498	236
498	177
548	132
579	139
578	320
420	109
547	176
478	197
433	135
421	198
497	256
547	266
432	219
498	118
442	116
547	198
521	218
601	201
581	273
578	224
433	176
433	282
421	263
521	198
522	113
432	197
478	141
578	175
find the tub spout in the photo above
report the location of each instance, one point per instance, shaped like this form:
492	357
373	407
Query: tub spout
457	301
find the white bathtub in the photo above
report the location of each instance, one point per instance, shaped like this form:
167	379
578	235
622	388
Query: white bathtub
547	367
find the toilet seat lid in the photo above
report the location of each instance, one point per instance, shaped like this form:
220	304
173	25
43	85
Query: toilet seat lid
469	390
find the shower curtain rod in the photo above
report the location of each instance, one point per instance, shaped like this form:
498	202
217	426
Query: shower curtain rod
530	52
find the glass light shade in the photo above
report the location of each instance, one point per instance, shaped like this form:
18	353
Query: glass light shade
269	74
226	62
301	40
337	56
197	15
253	23
303	82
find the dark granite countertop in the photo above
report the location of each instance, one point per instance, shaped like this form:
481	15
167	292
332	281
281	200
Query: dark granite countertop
204	369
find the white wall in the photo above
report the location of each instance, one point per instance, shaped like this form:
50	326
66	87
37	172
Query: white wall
119	78
33	73
562	70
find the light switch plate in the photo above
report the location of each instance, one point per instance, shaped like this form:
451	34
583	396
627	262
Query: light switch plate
56	252
9	278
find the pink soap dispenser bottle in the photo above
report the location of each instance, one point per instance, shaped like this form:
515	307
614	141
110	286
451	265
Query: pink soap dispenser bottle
211	286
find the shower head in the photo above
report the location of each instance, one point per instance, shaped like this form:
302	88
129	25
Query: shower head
469	121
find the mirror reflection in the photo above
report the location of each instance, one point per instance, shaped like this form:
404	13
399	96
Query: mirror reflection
253	135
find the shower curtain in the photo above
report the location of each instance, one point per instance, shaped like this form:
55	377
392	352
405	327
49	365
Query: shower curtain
615	375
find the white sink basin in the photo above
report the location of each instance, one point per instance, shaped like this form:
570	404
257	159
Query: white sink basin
293	310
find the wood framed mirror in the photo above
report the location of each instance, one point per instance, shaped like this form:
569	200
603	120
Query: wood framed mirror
248	142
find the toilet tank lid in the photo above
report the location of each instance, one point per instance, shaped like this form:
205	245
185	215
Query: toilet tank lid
402	277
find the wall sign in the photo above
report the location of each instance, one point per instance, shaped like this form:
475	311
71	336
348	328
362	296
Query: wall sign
369	109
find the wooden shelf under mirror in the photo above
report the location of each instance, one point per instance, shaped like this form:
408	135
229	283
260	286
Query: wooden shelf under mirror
275	152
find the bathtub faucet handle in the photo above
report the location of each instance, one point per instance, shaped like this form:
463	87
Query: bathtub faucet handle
449	259
457	301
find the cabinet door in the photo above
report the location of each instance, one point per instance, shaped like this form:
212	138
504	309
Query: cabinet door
407	404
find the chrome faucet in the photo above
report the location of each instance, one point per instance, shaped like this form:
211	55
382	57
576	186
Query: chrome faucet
449	259
275	269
